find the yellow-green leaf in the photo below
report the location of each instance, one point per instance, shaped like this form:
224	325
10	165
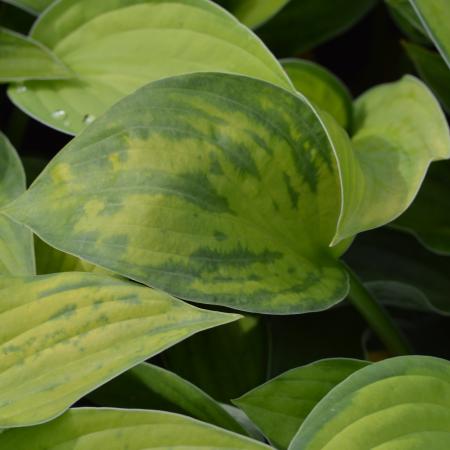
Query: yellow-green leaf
117	46
399	130
16	242
435	18
397	404
23	58
63	335
116	429
322	88
217	188
280	406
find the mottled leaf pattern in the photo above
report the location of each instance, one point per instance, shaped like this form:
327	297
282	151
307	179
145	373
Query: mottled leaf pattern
63	335
400	403
280	406
117	46
115	429
16	242
22	58
167	211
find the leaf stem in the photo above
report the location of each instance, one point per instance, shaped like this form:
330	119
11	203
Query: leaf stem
377	317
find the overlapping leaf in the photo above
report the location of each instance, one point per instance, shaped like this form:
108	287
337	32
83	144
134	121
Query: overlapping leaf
150	387
399	403
116	429
32	6
23	58
217	188
301	25
280	406
253	12
16	242
399	130
322	88
63	335
114	47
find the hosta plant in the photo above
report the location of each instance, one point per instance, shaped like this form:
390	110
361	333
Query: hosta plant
207	242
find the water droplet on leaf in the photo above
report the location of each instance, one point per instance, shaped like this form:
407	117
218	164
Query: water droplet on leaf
22	88
88	119
59	114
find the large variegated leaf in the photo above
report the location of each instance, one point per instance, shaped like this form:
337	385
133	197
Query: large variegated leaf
63	335
322	88
150	387
401	403
435	18
32	6
217	188
116	429
225	362
433	70
16	242
116	46
280	406
303	24
253	12
399	129
23	58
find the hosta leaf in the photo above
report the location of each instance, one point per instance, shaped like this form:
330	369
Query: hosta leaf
23	58
399	129
435	17
400	403
63	335
225	362
253	12
433	71
16	242
217	188
150	387
280	406
322	88
32	6
117	46
302	25
115	429
390	261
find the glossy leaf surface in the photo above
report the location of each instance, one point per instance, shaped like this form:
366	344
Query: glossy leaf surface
399	130
16	242
253	12
22	58
322	88
64	335
217	188
86	428
151	387
400	403
280	406
117	46
435	17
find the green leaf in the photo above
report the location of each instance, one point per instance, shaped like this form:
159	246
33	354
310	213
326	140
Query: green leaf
435	17
400	403
432	70
150	387
22	58
32	6
225	362
393	263
216	188
16	242
322	88
117	46
280	406
253	13
428	218
302	25
399	130
115	429
63	335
